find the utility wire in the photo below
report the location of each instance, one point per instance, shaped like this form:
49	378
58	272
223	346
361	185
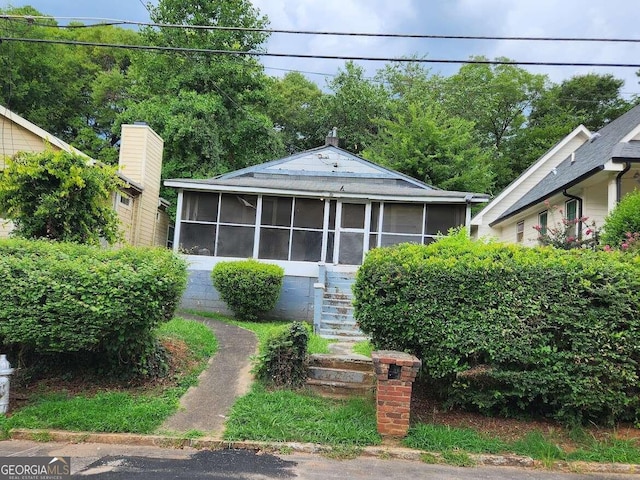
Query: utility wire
321	57
112	21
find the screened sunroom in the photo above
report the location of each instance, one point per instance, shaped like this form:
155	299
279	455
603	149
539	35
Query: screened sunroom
317	211
304	229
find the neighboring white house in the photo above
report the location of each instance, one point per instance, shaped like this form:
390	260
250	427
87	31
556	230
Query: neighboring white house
584	175
142	212
316	214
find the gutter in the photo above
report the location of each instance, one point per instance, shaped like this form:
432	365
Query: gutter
548	195
627	167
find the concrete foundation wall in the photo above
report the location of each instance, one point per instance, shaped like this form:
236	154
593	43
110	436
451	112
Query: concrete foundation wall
295	303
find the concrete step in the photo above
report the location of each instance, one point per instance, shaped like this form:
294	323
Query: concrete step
338	300
341	375
332	312
337	318
339	325
352	361
339	389
338	293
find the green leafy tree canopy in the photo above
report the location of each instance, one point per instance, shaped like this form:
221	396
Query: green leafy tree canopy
59	196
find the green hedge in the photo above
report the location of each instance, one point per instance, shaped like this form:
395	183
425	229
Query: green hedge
248	287
65	298
510	329
284	361
624	219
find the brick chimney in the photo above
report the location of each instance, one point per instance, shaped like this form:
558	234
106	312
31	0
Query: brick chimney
332	138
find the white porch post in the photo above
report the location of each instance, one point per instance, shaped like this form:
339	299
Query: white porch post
612	194
176	230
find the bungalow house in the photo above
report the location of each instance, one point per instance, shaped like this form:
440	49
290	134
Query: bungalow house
584	175
142	212
315	213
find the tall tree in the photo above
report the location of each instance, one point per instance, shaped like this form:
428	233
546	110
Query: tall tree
592	100
209	109
61	88
497	99
293	107
428	144
354	106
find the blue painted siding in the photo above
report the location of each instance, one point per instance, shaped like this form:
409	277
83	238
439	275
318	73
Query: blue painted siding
295	303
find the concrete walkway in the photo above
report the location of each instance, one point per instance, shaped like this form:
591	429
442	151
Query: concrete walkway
205	407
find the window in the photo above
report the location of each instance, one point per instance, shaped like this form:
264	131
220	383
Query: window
520	231
218	224
441	218
571	209
124	199
543	218
291	228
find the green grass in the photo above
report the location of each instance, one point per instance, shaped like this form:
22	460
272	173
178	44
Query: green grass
265	330
300	417
444	439
118	411
438	438
364	348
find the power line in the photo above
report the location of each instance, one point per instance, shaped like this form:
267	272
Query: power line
113	21
319	57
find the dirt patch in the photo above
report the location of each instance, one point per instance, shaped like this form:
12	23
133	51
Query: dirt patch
425	409
87	382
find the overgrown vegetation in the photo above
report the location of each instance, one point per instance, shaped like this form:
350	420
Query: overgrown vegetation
547	449
120	407
60	196
622	225
287	416
86	304
249	288
283	363
510	330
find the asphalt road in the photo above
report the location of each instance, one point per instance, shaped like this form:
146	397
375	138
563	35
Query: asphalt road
107	462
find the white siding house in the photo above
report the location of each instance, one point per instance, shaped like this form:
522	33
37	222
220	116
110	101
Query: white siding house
583	175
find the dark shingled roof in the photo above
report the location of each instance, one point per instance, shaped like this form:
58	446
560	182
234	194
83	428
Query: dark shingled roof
589	159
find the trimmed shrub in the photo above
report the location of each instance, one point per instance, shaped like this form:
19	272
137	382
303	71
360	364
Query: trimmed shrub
508	329
624	219
283	362
248	287
66	298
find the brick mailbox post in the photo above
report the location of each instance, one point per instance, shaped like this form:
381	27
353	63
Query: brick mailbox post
396	372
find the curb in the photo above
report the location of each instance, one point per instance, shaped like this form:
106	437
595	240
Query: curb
382	452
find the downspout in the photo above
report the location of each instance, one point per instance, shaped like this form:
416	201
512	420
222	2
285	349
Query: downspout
627	167
579	200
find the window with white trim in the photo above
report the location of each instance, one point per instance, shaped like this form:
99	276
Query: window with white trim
520	231
543	219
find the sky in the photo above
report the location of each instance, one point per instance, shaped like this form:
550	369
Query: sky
503	18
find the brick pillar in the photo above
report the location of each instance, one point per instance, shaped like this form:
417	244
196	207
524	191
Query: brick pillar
396	372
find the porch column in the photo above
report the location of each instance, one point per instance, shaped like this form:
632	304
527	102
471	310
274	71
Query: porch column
612	194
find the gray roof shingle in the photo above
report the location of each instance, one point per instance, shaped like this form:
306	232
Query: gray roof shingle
589	159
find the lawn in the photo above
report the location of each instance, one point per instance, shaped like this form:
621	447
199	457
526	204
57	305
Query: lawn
84	401
93	404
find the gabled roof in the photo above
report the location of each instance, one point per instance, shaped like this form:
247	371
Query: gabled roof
131	187
579	132
588	159
44	135
325	170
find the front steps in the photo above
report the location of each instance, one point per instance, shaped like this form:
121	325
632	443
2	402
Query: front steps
335	307
341	376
